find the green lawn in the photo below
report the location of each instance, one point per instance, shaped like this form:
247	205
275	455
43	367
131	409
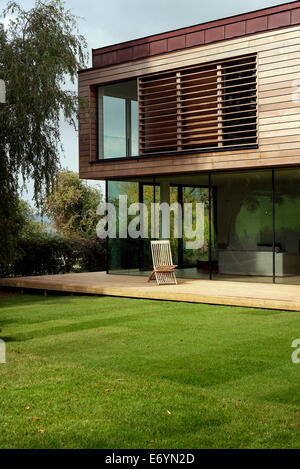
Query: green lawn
103	372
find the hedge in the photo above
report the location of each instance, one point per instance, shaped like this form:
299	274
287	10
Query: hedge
42	255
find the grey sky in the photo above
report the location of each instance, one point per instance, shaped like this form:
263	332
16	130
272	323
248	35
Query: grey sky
108	22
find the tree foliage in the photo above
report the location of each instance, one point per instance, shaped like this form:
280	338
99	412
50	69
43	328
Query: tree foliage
21	226
12	223
72	205
39	51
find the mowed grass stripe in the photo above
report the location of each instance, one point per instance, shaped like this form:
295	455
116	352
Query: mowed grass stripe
126	373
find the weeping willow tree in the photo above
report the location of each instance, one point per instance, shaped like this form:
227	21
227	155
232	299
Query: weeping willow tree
40	50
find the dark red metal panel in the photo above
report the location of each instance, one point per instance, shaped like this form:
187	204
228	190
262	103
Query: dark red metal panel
123	55
101	60
279	19
256	25
143	50
233	27
177	42
195	39
295	16
158	47
214	34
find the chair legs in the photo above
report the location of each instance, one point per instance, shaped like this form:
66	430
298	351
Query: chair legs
151	276
166	278
163	278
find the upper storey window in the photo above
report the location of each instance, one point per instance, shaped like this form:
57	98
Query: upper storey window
201	107
118	120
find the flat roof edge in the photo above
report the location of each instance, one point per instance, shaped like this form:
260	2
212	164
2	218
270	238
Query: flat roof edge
201	26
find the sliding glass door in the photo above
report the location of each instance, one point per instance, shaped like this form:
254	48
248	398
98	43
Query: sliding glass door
242	225
190	251
149	195
287	225
195	240
243	246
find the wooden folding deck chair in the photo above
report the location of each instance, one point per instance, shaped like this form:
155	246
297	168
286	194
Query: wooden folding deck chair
163	268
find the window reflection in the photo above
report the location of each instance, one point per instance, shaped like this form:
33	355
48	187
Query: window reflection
134	129
243	248
114	127
287	225
118	120
251	224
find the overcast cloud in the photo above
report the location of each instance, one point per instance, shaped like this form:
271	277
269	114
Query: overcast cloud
105	22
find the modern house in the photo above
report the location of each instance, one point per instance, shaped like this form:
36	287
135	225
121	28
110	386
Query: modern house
208	114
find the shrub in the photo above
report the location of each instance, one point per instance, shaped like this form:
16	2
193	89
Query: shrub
43	254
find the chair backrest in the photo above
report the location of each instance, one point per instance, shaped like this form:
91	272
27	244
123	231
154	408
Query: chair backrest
161	253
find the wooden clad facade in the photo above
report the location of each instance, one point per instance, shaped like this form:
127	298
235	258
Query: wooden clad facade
277	134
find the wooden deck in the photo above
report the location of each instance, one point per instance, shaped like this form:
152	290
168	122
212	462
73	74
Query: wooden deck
283	297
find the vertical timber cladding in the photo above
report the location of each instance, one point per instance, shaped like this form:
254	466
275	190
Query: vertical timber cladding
201	107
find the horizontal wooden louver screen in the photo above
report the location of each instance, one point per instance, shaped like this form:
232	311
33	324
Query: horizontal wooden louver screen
203	107
200	108
239	101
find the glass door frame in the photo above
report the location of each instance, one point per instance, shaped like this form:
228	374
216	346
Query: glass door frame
212	220
141	241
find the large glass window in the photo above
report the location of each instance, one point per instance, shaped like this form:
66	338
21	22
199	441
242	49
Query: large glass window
249	225
149	194
243	246
287	225
118	120
114	127
123	253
